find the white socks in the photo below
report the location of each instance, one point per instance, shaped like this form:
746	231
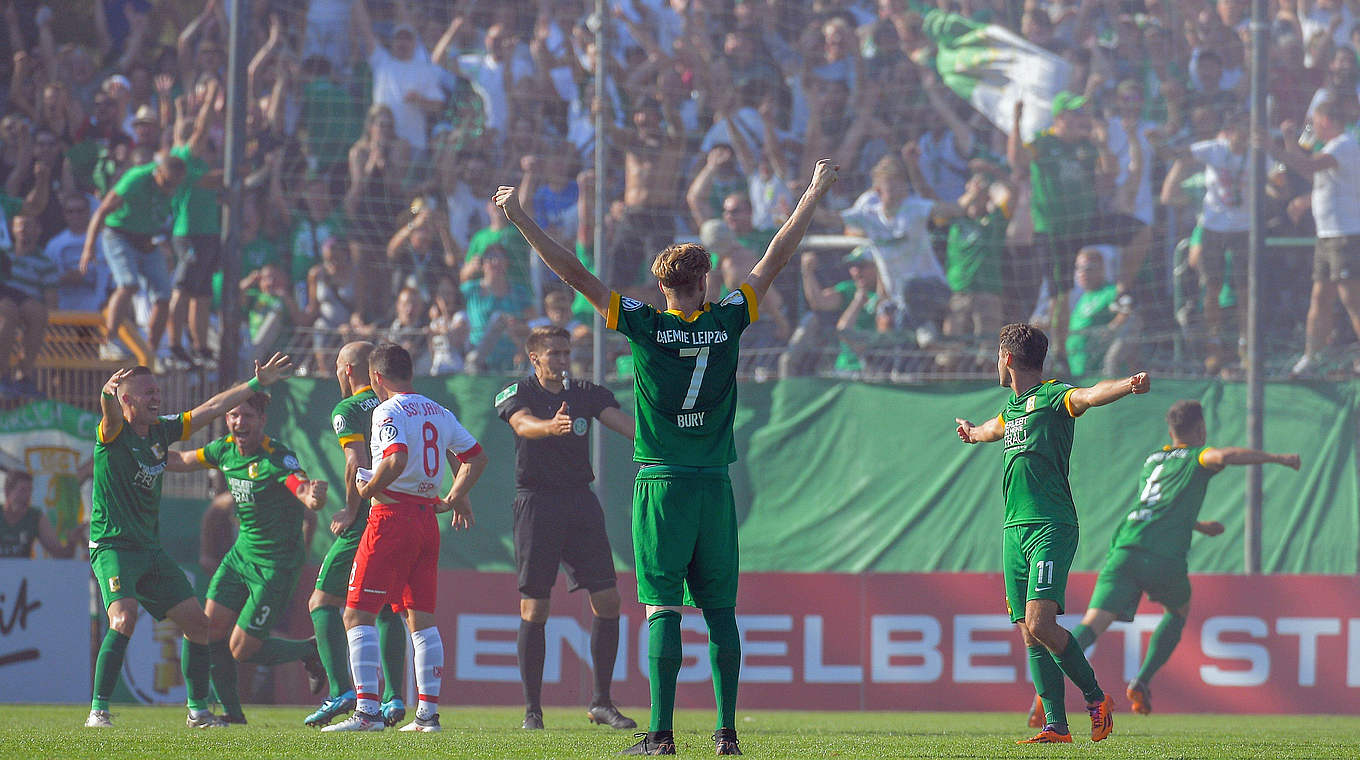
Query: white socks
429	656
364	665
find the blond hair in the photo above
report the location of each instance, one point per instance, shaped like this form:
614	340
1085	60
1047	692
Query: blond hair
682	266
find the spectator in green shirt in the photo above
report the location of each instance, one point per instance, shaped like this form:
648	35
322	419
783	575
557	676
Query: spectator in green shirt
974	250
1099	329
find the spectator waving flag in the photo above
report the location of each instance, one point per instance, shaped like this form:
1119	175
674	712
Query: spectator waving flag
991	67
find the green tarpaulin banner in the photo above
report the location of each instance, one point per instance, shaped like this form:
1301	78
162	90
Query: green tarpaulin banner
839	476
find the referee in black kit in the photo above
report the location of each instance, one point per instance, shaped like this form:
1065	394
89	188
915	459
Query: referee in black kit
558	520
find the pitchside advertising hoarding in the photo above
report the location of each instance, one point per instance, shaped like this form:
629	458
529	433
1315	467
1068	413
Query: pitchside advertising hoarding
1268	644
44	630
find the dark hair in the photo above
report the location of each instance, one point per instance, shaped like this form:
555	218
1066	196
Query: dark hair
140	370
259	400
537	342
17	476
1026	344
1184	416
391	360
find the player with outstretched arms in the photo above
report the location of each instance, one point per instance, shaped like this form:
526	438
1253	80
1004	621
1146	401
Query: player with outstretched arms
1149	549
1039	534
684	517
250	590
398	558
132	447
351	420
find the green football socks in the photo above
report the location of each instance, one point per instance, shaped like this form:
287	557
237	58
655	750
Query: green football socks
724	652
392	638
1085	636
224	677
106	668
664	658
1075	666
195	663
277	651
1049	684
332	647
1163	643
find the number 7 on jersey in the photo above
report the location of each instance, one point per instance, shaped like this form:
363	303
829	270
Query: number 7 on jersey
697	379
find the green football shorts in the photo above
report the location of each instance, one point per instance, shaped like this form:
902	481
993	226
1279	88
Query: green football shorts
685	537
1035	558
146	574
333	578
1129	573
259	593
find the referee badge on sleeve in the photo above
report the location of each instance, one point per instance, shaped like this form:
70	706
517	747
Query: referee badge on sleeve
508	393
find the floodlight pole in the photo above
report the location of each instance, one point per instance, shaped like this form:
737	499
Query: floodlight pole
1260	37
600	21
238	38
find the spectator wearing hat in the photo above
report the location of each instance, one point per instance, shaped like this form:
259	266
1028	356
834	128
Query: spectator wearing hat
146	128
1068	172
404	79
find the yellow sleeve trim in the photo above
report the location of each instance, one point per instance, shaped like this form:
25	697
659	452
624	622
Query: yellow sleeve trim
1002	419
188	429
99	435
611	317
1200	458
346	440
752	308
1067	403
201	456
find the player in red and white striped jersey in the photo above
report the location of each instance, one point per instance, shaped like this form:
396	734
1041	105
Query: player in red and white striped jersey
398	558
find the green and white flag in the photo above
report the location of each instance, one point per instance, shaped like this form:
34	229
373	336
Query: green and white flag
991	67
55	443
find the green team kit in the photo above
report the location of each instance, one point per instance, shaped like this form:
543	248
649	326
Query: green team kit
684	516
351	420
260	571
125	548
1040	527
1149	550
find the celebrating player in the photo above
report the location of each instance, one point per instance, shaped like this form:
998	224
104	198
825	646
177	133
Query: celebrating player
1148	553
397	561
351	419
684	518
251	588
1040	528
132	445
558	520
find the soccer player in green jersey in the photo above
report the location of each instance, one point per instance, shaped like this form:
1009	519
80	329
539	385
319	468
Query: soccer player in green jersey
351	420
253	583
132	446
684	518
1149	549
1039	534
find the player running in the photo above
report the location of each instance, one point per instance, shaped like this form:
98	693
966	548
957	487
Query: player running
684	518
132	446
351	420
1149	549
1039	535
397	561
558	520
251	588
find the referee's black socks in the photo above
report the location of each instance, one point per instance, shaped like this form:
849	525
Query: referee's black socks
604	649
530	645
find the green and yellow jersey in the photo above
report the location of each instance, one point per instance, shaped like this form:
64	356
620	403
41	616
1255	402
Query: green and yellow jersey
684	377
269	512
1038	443
1174	482
128	470
351	419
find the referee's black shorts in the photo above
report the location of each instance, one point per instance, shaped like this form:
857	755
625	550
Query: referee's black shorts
563	527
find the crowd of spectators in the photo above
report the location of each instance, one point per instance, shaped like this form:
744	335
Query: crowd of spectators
379	129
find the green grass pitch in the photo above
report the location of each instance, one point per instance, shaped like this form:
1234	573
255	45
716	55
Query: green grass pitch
40	732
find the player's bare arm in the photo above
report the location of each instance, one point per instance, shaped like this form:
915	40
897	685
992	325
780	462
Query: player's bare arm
991	430
527	425
619	421
111	419
277	368
183	461
790	235
312	494
356	456
1107	392
1219	458
561	261
1211	528
465	476
388	469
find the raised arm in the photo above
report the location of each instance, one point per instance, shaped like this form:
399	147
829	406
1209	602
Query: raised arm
362	25
1016	153
1106	392
1217	458
527	425
561	261
184	461
991	430
111	419
619	421
1296	159
790	235
277	368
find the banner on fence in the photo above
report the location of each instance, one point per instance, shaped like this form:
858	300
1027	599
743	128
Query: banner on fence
44	630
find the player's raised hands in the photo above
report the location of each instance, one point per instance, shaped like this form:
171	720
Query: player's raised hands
278	367
111	386
561	422
823	177
1140	383
508	199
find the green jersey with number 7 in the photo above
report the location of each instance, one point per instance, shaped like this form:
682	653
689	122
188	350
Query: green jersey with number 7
684	377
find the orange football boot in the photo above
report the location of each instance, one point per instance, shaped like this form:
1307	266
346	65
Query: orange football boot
1140	697
1048	737
1036	713
1102	718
